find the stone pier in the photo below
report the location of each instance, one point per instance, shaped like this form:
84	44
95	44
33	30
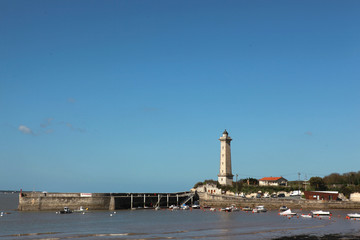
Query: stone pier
37	201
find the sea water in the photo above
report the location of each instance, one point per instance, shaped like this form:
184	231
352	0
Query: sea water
165	224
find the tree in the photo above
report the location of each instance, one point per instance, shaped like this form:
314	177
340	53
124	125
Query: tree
334	178
250	181
317	183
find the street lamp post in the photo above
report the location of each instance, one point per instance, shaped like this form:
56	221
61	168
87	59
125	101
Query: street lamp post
236	185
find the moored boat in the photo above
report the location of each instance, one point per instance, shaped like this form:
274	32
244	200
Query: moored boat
287	213
320	212
185	207
65	211
80	210
259	209
195	206
227	209
247	208
283	208
354	215
234	208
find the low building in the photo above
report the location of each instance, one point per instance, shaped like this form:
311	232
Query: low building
355	197
321	195
209	188
273	181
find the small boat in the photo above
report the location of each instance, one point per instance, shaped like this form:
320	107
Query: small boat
306	215
195	206
247	208
212	209
65	211
227	209
185	207
80	210
320	212
234	208
287	213
354	215
283	208
259	209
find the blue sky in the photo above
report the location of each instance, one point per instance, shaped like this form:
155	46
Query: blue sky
132	96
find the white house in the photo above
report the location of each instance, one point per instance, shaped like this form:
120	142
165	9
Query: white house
209	188
273	181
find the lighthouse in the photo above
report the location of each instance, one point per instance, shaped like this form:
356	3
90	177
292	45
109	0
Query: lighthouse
225	176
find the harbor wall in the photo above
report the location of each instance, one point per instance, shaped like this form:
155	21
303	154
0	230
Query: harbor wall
57	201
219	201
36	201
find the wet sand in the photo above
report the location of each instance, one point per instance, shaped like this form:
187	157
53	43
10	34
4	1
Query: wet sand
325	237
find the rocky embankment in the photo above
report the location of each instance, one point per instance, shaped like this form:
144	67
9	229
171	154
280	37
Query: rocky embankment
219	201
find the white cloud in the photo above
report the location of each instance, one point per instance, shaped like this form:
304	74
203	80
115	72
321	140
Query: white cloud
24	129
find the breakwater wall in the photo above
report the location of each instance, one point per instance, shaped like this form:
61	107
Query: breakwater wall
219	201
36	201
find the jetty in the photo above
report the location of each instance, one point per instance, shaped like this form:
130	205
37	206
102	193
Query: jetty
43	201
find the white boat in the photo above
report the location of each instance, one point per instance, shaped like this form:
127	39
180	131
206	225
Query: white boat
185	207
234	208
80	210
247	208
354	215
259	209
320	212
283	208
227	209
212	209
65	211
287	213
306	215
195	206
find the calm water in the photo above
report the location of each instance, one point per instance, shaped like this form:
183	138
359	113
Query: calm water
164	224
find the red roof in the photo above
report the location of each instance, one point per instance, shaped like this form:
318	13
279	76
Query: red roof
270	178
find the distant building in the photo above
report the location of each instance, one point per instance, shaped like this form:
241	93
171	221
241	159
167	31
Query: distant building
273	181
355	197
225	176
321	195
209	188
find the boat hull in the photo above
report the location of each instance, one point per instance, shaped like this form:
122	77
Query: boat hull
354	215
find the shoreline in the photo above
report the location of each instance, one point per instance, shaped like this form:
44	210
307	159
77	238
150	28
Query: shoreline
323	237
221	201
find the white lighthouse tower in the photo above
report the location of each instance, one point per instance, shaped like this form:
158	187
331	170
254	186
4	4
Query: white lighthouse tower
225	176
